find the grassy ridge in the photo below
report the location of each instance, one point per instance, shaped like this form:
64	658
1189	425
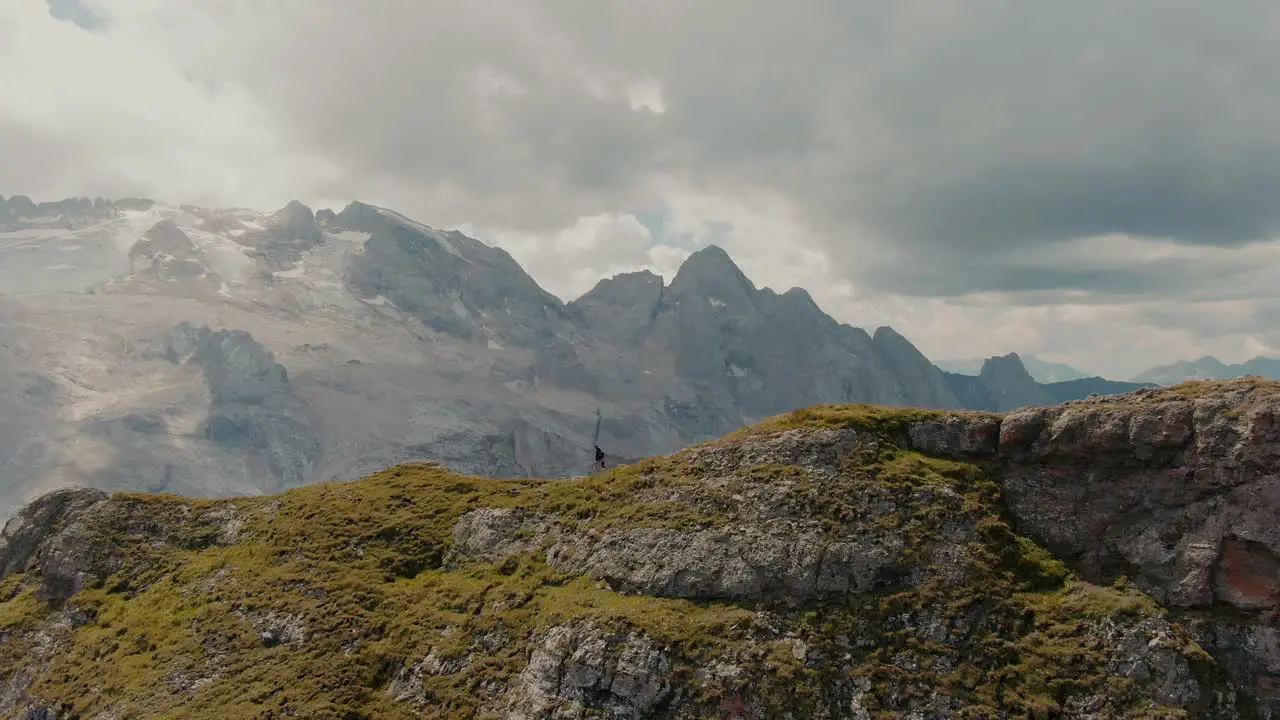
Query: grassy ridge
328	592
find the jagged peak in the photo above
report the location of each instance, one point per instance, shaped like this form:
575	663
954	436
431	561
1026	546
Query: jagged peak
293	209
885	334
711	271
359	216
1007	366
711	256
620	286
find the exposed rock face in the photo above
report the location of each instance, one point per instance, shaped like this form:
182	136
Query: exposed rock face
450	282
402	342
855	562
166	253
253	406
26	540
722	353
620	308
921	381
1178	491
581	667
288	233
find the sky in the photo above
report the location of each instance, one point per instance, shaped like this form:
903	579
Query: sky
1095	182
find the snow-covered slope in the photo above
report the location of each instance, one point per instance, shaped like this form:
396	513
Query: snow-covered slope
218	351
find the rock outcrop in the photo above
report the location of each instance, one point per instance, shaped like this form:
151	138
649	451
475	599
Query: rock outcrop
252	403
165	253
19	212
1108	558
1177	490
285	236
452	283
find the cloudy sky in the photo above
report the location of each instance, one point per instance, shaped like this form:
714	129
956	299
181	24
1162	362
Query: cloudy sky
1095	181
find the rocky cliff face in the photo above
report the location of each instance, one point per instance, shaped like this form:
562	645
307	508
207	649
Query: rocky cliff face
1177	490
713	341
1110	558
252	404
452	283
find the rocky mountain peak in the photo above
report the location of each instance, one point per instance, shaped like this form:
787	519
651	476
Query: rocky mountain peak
621	306
165	252
712	275
1009	385
920	380
360	217
453	283
801	298
286	235
296	219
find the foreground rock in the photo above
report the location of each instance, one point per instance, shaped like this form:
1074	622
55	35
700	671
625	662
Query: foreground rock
832	563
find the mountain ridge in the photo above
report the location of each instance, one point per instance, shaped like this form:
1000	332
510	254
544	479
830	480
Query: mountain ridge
400	341
1043	371
1209	368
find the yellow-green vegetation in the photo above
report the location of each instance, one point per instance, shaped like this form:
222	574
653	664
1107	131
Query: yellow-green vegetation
311	603
1195	389
885	422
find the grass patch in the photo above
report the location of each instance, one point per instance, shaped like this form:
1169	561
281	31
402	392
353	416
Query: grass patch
331	591
884	422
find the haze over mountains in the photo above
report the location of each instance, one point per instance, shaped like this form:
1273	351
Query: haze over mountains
220	351
1043	371
1209	368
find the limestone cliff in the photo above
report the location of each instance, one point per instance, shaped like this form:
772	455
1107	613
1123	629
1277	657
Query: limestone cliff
1110	558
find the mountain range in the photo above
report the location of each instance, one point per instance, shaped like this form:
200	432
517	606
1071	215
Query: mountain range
1209	368
1042	371
209	351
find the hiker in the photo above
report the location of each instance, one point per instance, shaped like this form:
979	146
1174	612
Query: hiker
600	458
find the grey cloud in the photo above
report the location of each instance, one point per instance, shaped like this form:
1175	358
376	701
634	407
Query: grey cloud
1208	320
1059	280
942	128
75	11
947	134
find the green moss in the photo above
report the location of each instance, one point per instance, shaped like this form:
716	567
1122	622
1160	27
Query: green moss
1195	389
886	422
21	609
363	567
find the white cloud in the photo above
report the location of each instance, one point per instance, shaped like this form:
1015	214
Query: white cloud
1062	180
571	261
